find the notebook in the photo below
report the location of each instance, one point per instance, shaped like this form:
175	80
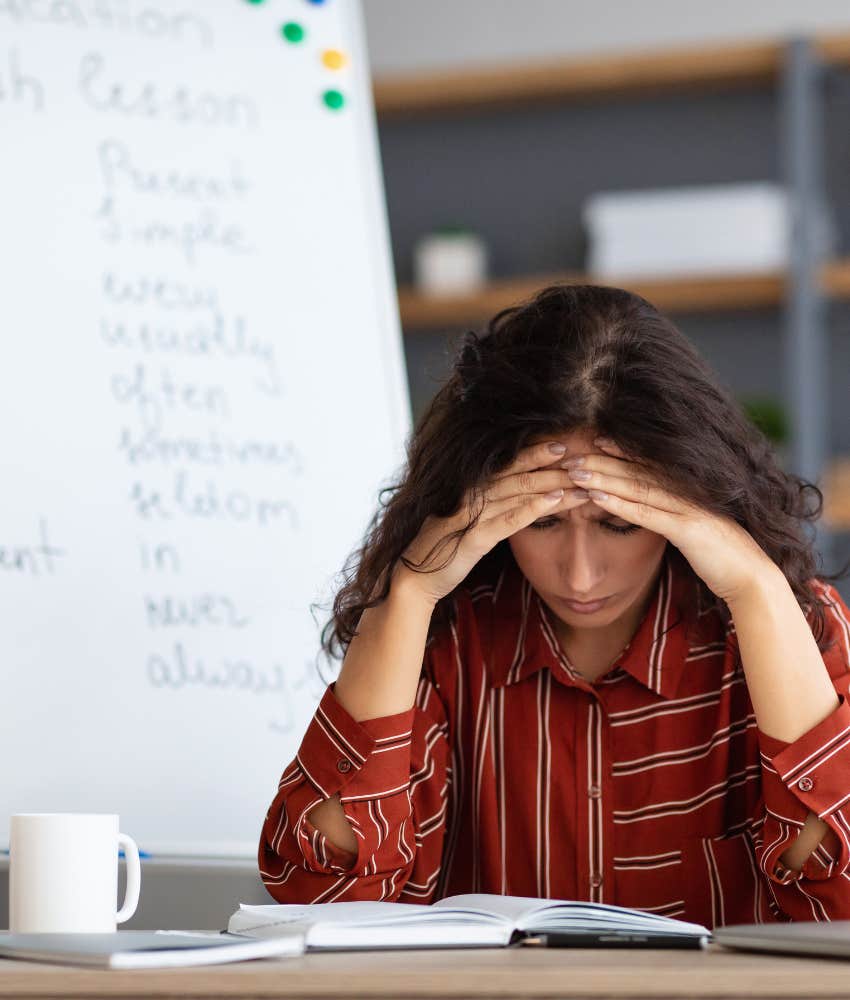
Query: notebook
463	921
798	938
144	949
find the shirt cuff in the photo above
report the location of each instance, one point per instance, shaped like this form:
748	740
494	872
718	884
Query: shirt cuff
360	760
810	774
816	767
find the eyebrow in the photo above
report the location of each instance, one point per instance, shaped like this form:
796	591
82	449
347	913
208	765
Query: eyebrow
603	516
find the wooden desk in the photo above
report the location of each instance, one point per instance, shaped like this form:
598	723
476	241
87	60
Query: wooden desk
497	972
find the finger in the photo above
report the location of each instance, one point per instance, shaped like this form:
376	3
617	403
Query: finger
662	522
608	445
602	463
572	496
636	486
522	515
536	456
613	453
523	484
612	457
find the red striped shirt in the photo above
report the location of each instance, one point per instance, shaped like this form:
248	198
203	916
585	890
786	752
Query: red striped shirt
651	787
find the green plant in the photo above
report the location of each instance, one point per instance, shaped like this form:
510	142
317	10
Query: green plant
768	414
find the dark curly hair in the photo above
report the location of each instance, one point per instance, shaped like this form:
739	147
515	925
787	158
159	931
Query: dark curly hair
585	357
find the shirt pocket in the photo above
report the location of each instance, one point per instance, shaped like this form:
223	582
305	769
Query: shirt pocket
722	883
651	882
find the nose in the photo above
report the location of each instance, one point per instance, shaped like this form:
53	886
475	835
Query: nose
582	569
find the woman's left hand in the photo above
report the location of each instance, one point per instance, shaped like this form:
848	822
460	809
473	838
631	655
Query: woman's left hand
719	550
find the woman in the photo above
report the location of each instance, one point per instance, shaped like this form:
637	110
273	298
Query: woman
587	656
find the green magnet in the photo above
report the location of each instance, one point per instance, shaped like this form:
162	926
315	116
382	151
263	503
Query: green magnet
333	98
292	32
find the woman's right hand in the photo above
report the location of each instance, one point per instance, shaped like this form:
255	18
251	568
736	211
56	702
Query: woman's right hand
512	500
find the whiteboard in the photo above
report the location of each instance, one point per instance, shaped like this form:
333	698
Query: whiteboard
203	393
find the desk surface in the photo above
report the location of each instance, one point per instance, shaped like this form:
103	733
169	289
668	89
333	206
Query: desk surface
526	972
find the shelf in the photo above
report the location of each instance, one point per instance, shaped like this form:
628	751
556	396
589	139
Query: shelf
695	293
720	66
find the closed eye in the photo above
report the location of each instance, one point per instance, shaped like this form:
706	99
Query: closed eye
626	529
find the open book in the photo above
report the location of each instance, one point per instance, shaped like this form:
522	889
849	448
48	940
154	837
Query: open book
465	921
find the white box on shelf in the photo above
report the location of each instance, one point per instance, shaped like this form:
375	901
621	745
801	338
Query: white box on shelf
450	261
713	228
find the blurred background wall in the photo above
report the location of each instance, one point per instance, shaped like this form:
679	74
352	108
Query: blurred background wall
518	175
408	35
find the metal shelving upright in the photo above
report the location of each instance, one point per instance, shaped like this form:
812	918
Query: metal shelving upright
805	333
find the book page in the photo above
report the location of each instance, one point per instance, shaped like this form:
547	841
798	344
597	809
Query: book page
531	913
248	917
373	924
508	908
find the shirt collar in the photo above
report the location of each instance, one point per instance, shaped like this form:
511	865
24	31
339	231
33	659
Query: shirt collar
526	642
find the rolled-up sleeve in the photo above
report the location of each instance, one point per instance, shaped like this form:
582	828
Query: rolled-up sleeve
812	774
391	775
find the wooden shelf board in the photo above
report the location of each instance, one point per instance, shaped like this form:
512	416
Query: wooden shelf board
697	293
835	278
718	65
836	492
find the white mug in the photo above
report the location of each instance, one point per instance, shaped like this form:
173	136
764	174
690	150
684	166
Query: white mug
63	873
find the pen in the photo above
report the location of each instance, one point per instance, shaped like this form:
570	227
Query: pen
609	939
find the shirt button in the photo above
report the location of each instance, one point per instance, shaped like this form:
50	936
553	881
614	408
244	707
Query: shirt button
343	765
594	791
805	784
596	881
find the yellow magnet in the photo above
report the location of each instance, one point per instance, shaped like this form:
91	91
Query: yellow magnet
334	59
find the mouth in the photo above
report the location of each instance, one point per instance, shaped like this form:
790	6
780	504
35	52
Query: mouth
587	607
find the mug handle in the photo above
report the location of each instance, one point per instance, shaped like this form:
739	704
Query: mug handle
134	878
